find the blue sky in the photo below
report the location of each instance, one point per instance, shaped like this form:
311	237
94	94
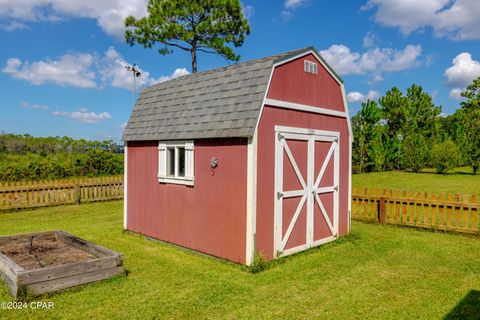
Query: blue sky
62	61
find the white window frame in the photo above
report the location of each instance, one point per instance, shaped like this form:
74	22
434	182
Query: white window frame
163	146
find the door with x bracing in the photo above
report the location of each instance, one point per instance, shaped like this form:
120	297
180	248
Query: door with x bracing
306	188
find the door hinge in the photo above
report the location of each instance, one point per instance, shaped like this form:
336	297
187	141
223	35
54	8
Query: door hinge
280	136
335	188
280	195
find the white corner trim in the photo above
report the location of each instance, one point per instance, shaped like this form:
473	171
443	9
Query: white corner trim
304	107
125	184
347	112
350	142
350	185
251	199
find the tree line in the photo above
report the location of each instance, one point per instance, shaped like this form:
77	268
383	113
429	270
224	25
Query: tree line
407	131
27	158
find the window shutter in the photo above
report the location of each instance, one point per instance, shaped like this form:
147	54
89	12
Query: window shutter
189	159
162	159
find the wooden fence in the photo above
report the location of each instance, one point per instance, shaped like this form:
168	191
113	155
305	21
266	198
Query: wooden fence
444	211
15	196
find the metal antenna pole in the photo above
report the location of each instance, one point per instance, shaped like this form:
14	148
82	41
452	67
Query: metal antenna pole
136	73
133	90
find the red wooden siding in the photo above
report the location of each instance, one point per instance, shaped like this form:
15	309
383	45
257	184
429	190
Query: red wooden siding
210	216
290	83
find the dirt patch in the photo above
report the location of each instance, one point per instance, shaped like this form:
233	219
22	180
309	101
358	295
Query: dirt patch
43	253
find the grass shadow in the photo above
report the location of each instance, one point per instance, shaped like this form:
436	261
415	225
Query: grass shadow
468	308
260	264
449	173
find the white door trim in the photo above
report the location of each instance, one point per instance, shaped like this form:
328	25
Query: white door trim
310	188
331	134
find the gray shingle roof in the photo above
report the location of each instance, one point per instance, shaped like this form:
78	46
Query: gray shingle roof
219	103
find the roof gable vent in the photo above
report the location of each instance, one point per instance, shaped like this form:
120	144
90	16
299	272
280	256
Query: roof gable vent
310	67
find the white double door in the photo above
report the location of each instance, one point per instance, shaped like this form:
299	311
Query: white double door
306	188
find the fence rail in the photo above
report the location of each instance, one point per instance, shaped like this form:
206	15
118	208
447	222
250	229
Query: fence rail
443	211
16	196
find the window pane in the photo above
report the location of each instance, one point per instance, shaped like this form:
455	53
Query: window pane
170	161
181	162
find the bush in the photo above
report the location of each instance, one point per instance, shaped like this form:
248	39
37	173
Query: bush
23	157
34	167
445	156
415	152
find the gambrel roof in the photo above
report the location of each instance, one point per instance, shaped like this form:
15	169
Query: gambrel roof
218	103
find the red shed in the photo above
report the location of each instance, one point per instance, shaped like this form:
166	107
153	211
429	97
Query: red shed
253	157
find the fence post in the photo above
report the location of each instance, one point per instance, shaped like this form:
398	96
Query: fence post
15	199
382	210
76	187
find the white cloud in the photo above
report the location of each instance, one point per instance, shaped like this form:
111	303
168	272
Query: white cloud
84	70
69	70
248	10
462	72
112	70
84	116
177	73
455	19
355	96
13	25
286	15
12	65
370	40
456	93
81	114
293	4
374	61
27	105
290	6
109	14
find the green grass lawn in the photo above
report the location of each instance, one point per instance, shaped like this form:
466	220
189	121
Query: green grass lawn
377	272
458	181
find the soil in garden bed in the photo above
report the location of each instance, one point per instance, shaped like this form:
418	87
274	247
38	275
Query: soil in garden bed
44	253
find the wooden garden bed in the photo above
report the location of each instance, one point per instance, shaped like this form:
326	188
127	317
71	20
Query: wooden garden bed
42	262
